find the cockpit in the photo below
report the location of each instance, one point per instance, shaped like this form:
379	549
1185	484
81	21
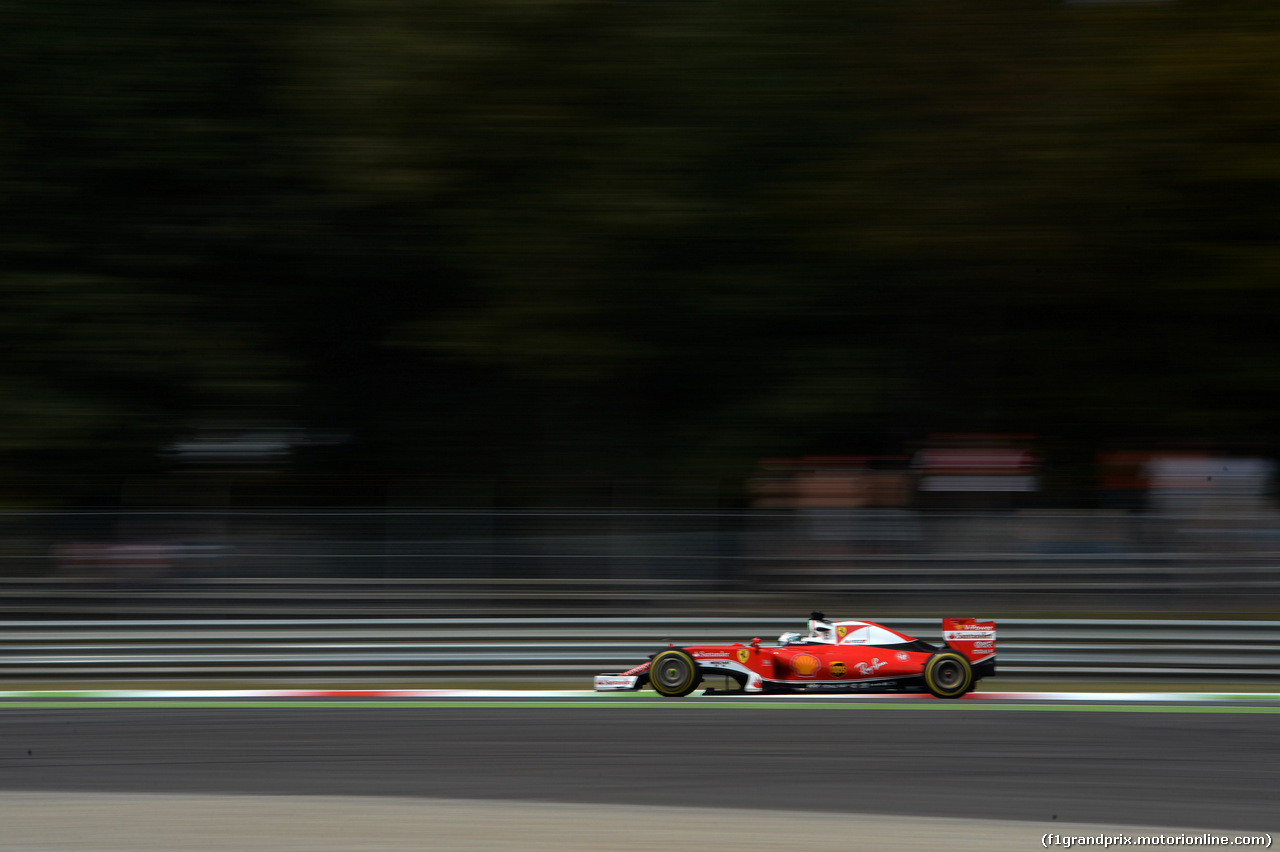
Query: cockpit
825	632
821	632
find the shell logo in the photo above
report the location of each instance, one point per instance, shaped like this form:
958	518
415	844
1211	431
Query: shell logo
837	669
805	665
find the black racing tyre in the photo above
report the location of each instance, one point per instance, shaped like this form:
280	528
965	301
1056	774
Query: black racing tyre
948	675
674	673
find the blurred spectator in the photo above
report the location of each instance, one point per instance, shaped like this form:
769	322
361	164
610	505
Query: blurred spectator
833	482
1123	480
1185	482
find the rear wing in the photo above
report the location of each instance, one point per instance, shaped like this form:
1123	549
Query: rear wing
975	639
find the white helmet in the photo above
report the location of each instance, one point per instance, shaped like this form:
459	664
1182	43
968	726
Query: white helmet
821	629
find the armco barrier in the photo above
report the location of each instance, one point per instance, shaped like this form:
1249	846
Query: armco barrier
577	647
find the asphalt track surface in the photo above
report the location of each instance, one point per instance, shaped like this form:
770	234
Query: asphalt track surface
1176	764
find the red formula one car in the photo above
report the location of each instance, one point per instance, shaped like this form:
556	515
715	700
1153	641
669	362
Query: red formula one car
835	656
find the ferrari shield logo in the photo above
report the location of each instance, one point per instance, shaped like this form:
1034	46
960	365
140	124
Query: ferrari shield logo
743	655
842	631
837	669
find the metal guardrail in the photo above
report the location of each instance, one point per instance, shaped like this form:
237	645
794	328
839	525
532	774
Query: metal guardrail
577	647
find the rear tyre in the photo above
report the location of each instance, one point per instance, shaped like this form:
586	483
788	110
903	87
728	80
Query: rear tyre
674	673
948	675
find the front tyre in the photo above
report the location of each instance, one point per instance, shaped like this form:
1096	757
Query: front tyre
674	673
948	675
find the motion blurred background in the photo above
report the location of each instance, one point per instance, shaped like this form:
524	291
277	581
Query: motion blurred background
373	308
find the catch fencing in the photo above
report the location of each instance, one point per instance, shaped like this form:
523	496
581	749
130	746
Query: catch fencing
435	563
454	649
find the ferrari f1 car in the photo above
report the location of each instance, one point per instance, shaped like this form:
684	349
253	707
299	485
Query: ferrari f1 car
834	656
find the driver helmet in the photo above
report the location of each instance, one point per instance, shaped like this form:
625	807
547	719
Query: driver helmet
822	630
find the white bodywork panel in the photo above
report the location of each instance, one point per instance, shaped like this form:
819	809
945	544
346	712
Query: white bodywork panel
863	633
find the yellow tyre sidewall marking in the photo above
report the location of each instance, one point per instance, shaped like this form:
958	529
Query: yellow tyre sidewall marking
661	658
964	664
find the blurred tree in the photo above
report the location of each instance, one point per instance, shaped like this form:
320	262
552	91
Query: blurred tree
130	177
532	237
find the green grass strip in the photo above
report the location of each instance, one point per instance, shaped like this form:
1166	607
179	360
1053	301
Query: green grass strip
445	704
